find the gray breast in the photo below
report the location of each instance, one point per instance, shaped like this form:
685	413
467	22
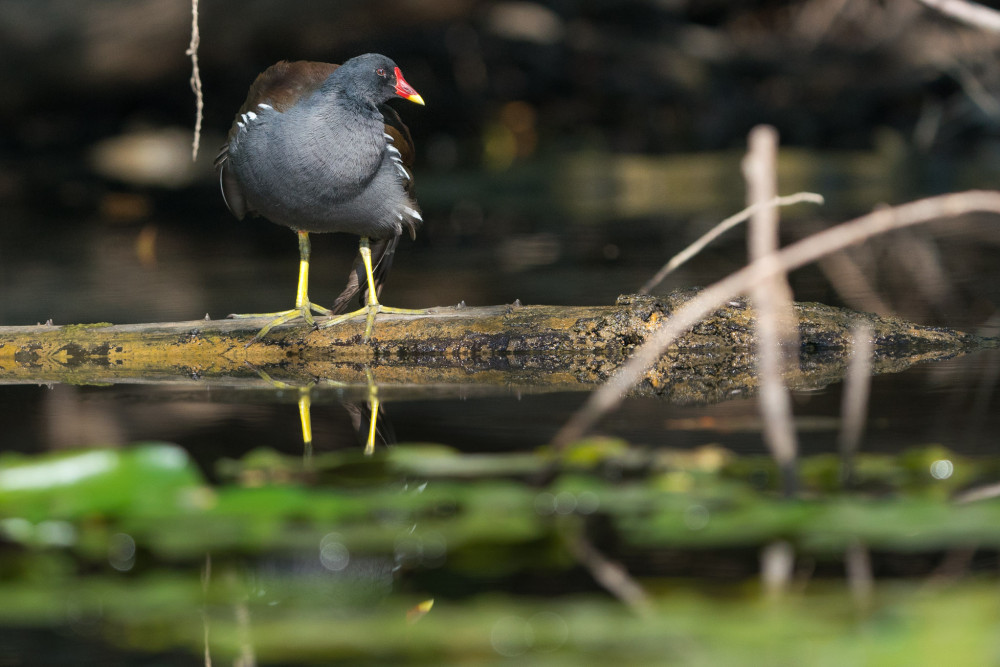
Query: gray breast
318	172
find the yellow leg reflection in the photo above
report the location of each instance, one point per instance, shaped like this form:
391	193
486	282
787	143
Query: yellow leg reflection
371	433
374	402
305	404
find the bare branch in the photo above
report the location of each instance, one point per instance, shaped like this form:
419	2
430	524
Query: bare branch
777	564
683	256
969	13
860	579
611	575
206	578
854	405
772	299
979	493
791	257
848	278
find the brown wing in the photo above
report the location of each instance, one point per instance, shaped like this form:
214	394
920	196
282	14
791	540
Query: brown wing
278	86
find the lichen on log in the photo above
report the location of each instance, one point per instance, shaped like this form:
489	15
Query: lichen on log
554	346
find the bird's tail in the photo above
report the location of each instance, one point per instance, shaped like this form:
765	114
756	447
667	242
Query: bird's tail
383	252
361	419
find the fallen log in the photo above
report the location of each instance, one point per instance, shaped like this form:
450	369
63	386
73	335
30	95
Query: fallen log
546	347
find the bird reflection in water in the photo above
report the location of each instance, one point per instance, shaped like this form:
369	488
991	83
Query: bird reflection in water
368	418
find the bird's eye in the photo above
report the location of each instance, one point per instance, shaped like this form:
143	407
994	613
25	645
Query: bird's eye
381	72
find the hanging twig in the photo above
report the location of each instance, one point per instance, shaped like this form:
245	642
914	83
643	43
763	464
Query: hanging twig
195	80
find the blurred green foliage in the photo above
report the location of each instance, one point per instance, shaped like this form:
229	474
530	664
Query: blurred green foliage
135	546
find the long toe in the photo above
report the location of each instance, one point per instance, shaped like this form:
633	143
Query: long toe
368	311
337	319
320	310
280	318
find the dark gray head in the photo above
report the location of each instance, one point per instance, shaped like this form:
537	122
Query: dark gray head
373	79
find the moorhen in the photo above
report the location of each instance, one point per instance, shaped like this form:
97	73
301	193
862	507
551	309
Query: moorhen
315	148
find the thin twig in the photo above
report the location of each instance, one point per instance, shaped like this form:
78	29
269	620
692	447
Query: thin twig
969	13
854	405
772	300
247	656
975	90
860	580
612	576
976	494
791	257
957	563
195	80
683	256
921	258
777	564
848	278
206	578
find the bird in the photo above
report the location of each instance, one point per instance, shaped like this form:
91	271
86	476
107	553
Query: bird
316	148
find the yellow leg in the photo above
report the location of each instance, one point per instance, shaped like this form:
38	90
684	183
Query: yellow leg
303	307
373	307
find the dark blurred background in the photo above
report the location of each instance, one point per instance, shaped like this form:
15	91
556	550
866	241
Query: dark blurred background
566	151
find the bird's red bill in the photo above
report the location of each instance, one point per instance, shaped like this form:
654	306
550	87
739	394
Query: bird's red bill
405	90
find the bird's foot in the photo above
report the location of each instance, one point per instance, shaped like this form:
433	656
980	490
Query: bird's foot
304	311
369	312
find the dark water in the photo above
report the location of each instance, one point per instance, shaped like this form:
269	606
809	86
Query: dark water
952	403
113	571
169	268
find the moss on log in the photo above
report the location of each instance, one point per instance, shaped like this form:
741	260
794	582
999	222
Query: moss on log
539	346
